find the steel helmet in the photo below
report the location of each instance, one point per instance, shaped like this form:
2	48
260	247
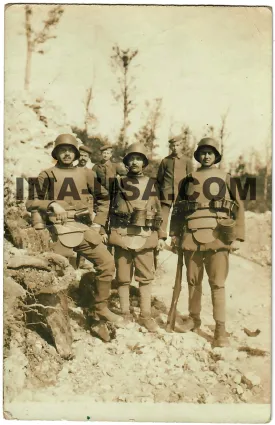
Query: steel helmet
66	139
208	141
136	148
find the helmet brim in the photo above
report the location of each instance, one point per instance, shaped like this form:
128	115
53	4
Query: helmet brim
125	159
77	153
217	154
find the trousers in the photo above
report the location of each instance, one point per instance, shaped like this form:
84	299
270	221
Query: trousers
216	265
101	258
129	263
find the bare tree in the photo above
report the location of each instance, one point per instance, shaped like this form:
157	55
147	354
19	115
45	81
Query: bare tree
147	133
189	142
121	61
223	135
36	39
90	118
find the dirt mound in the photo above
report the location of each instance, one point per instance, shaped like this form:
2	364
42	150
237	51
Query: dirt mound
31	125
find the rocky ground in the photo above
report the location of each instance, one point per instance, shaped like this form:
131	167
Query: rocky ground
141	367
136	366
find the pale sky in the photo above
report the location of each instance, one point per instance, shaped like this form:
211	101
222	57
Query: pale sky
201	61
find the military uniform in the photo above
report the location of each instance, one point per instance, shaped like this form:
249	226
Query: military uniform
107	170
86	149
172	169
71	187
208	216
135	229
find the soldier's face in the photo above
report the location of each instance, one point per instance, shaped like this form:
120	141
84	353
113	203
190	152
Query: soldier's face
176	147
135	163
65	154
207	157
106	154
84	158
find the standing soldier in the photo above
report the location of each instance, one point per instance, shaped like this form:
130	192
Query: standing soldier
135	222
173	168
61	195
207	223
85	153
106	169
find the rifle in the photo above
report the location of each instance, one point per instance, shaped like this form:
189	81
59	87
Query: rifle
176	293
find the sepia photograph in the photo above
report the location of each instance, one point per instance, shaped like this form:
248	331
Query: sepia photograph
137	213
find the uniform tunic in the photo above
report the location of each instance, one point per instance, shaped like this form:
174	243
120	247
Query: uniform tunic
171	171
134	244
107	170
213	256
72	189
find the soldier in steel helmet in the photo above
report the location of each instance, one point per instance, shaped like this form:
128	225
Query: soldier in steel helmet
207	223
173	168
62	197
107	169
135	222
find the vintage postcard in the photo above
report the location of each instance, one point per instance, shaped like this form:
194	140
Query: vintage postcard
137	183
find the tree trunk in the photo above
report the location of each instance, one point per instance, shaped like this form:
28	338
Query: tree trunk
29	47
125	108
28	69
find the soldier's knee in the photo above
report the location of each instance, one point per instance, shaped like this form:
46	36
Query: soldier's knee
216	285
107	267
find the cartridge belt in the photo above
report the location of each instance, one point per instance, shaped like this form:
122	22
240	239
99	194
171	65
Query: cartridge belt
188	207
126	219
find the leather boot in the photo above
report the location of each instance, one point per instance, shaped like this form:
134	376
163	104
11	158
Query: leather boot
192	323
220	337
145	318
101	307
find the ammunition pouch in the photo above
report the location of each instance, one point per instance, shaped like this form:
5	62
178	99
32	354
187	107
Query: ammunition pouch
223	205
69	236
137	217
227	230
37	220
80	216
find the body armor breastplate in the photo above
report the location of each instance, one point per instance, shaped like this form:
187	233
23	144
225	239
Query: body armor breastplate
70	185
207	191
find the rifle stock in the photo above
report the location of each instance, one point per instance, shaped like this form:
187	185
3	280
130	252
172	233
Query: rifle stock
176	293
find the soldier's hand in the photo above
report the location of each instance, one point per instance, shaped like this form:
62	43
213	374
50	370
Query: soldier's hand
235	246
175	241
104	238
161	245
61	214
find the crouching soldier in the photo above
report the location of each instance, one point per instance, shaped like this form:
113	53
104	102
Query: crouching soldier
135	221
62	196
207	223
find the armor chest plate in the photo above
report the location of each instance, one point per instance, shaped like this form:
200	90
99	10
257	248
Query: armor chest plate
69	185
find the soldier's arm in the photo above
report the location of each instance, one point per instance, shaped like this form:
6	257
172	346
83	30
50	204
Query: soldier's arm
37	197
101	196
177	219
235	196
160	174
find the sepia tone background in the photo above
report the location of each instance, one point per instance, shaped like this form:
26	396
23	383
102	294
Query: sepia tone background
143	73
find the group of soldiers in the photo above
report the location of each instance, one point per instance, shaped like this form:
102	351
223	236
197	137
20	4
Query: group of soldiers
116	205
